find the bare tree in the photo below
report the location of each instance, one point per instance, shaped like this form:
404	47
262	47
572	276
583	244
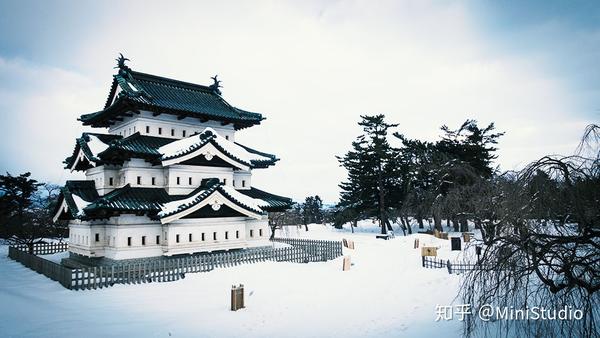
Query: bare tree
542	246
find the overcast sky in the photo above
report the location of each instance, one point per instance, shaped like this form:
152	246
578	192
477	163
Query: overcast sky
310	67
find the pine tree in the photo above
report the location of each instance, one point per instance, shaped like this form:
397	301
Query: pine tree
372	172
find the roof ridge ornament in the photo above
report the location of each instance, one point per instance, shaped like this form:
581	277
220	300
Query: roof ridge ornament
216	85
121	63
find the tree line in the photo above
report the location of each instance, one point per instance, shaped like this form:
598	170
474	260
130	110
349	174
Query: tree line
540	226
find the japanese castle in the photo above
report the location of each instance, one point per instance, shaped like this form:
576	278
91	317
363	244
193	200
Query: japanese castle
168	178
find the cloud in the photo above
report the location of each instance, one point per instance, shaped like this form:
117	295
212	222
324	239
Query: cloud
311	68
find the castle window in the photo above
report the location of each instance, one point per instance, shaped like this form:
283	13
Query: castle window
215	236
147	129
128	241
159	131
243	183
134	129
203	236
227	137
97	238
143	240
226	234
234	183
190	181
259	232
172	132
251	233
224	181
237	234
153	180
129	131
139	180
178	180
189	237
157	239
183	133
110	181
177	238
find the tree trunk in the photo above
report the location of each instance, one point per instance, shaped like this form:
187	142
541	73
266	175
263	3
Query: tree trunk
464	223
455	224
305	227
353	225
382	216
420	221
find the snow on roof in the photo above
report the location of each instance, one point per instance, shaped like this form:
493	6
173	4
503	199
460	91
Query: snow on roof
183	146
81	204
248	201
96	146
174	206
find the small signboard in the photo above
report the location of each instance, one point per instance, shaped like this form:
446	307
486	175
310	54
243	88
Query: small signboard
237	297
428	251
466	237
455	243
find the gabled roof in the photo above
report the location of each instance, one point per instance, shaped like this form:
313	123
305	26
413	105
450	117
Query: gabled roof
141	91
97	149
87	148
73	198
80	200
211	192
209	143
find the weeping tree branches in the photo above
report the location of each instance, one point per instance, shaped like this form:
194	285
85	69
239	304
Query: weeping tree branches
542	245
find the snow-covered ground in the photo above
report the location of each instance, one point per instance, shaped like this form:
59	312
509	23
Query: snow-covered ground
386	293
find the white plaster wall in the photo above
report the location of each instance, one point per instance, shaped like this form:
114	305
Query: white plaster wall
242	179
139	122
101	176
114	234
197	173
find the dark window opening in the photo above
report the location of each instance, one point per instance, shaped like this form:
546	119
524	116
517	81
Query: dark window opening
237	234
97	237
177	238
178	180
172	132
259	232
110	181
153	180
189	237
243	183
128	241
226	234
224	181
251	233
147	129
157	239
143	240
202	236
159	131
183	133
214	236
139	180
190	181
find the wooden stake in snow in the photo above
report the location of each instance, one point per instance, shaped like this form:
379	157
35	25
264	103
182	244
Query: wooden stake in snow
237	297
416	246
346	266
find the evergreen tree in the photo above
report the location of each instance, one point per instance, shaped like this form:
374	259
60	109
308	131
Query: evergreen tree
372	167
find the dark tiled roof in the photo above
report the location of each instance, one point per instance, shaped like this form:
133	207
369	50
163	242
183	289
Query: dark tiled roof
209	137
135	146
276	203
163	95
82	143
146	147
128	199
86	190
